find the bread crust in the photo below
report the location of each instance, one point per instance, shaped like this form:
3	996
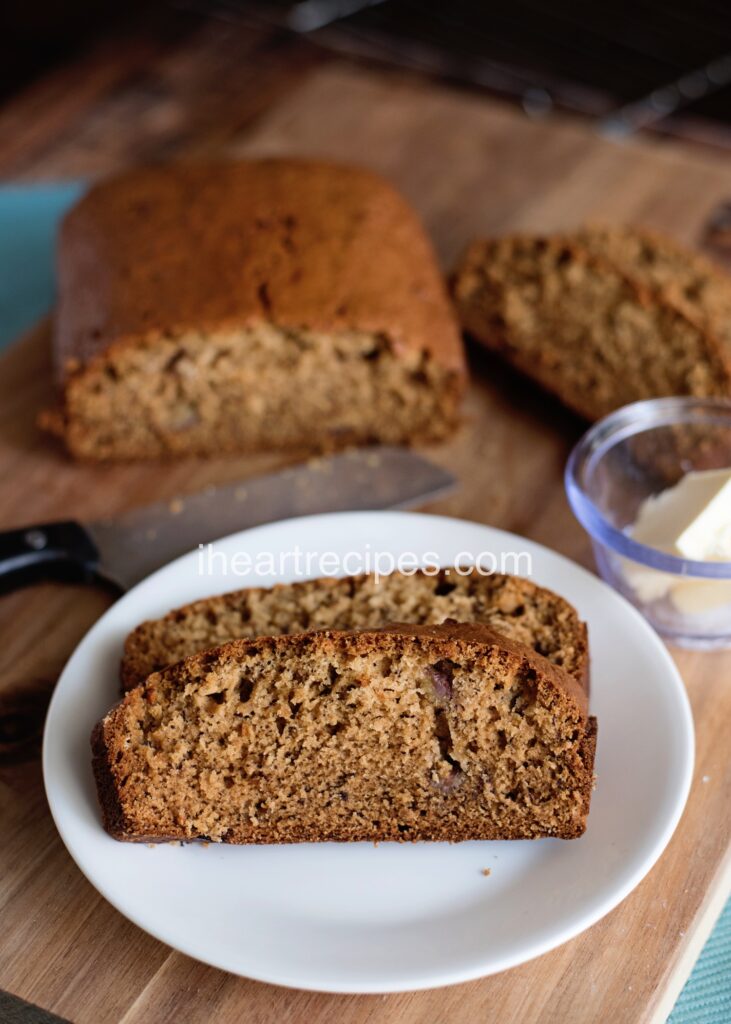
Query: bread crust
109	802
207	245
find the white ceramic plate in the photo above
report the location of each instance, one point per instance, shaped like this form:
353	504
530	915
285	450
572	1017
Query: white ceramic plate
359	918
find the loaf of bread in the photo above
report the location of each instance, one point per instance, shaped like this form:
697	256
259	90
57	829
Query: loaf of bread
516	607
447	732
601	316
236	307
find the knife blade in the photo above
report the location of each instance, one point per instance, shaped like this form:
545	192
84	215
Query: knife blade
124	550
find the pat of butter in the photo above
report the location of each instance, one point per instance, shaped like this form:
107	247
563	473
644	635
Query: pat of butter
690	520
648	584
695	596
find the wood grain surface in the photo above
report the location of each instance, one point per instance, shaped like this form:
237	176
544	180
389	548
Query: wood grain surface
470	165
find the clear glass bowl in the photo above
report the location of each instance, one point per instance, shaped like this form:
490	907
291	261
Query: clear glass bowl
638	451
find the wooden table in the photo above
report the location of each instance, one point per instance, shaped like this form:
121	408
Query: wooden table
470	165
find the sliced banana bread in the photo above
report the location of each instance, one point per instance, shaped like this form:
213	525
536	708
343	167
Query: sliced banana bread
665	267
601	317
447	732
268	304
514	606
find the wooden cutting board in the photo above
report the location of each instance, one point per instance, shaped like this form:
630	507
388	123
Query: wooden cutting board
470	165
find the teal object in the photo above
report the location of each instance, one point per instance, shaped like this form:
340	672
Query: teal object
29	217
706	998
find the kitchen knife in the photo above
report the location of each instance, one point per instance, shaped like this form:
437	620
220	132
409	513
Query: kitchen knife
123	551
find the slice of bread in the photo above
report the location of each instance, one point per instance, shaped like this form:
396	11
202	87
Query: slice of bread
516	607
243	306
601	317
447	732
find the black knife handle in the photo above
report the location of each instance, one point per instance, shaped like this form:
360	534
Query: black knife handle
52	551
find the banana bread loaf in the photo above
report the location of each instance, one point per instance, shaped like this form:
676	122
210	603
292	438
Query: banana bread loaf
514	606
270	304
601	316
447	732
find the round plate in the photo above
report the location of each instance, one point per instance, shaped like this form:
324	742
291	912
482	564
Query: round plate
361	918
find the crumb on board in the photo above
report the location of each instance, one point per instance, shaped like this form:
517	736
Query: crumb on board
176	506
486	872
317	464
706	778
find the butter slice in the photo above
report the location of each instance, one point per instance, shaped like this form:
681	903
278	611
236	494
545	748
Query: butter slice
708	536
693	597
690	520
648	584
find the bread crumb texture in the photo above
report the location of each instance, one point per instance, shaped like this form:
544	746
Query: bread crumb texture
601	316
516	607
447	732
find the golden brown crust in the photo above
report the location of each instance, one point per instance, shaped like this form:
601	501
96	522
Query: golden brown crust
514	606
588	747
302	243
463	799
109	802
